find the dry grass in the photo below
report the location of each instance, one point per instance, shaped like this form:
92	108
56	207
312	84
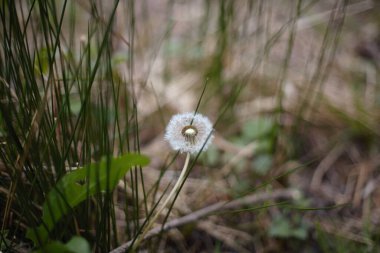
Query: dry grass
323	105
313	74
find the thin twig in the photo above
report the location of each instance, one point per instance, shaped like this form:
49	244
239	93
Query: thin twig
217	207
325	165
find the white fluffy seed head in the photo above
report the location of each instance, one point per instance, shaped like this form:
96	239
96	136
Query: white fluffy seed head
189	133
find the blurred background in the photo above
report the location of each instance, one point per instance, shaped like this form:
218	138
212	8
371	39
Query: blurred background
292	88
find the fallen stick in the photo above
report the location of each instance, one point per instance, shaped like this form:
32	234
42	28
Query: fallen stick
217	207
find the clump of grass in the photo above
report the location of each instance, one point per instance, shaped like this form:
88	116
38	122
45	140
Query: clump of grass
63	107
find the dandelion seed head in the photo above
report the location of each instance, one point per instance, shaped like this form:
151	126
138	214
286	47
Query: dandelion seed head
190	133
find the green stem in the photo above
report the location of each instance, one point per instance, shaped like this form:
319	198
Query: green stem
162	207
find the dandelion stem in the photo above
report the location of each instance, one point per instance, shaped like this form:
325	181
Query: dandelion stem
167	200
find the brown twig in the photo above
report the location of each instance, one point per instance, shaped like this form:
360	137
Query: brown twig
217	207
235	239
325	165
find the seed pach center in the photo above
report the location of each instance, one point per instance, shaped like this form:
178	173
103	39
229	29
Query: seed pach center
189	132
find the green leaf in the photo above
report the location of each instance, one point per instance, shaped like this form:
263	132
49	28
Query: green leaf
262	164
76	186
283	228
212	156
300	233
55	246
75	105
280	228
264	145
258	128
77	244
41	62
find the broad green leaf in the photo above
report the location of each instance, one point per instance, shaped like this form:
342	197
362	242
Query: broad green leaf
77	244
55	246
78	185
